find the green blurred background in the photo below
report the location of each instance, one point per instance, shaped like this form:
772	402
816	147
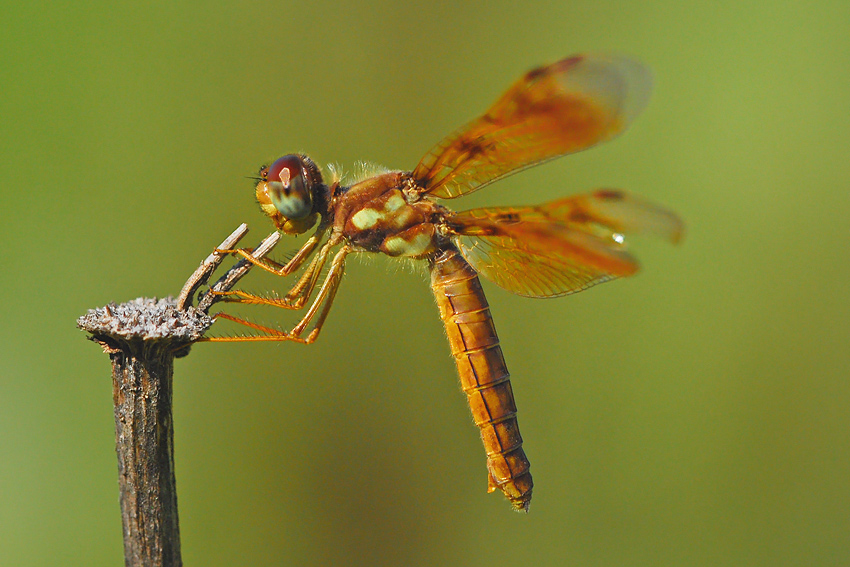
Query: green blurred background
698	414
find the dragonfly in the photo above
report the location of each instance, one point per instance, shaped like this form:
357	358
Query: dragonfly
547	250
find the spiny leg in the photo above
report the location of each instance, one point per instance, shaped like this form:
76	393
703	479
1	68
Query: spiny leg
303	288
274	267
325	297
296	297
321	306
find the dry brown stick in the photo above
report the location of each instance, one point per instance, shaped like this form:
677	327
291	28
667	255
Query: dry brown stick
207	267
142	338
234	274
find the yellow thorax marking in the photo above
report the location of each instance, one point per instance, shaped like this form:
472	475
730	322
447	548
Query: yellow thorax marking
395	202
417	246
367	218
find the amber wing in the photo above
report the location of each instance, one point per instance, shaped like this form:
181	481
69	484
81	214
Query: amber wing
551	111
561	247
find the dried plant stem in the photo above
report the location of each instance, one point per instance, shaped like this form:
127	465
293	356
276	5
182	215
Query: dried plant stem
144	436
142	338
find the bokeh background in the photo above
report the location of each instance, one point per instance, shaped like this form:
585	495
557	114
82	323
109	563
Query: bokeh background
698	414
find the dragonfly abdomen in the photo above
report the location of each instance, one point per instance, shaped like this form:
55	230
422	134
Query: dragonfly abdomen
483	374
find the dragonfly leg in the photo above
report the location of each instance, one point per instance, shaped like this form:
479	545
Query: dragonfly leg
318	310
274	267
324	299
296	297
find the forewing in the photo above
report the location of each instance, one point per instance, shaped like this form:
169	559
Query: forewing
551	111
561	247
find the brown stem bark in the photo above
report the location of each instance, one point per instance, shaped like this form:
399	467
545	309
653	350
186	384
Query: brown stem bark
144	441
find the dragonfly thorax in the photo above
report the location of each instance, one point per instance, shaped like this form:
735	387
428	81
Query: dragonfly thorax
375	215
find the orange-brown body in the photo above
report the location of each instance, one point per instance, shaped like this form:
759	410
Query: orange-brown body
483	374
376	215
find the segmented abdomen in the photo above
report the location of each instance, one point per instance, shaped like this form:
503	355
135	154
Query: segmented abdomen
483	374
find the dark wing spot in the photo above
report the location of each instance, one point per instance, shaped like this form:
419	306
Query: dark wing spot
506	217
610	195
471	148
580	217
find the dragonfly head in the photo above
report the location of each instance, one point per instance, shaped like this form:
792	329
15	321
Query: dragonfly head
287	191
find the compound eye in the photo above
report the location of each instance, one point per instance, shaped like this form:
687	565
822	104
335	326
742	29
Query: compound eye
289	189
